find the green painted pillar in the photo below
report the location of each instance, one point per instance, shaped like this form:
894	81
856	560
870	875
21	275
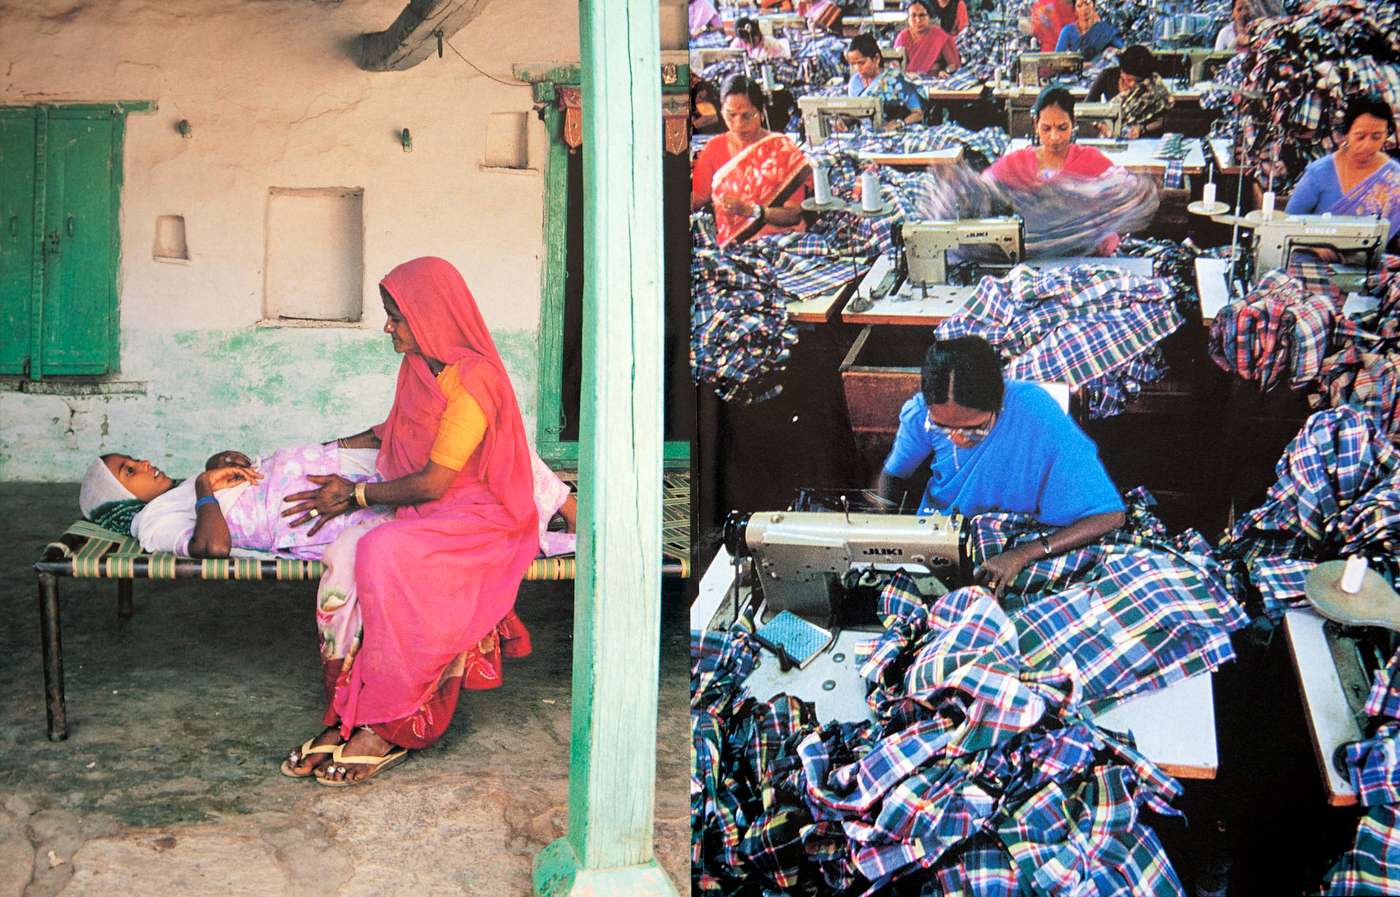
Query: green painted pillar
612	774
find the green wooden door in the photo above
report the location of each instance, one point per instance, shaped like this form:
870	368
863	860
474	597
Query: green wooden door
17	243
60	173
78	248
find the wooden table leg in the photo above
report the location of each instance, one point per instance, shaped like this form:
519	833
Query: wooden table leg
53	656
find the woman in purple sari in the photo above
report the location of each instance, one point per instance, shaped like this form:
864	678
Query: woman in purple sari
1359	178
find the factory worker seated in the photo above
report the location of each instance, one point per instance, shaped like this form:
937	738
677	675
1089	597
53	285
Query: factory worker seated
899	98
754	179
993	445
1088	35
1143	95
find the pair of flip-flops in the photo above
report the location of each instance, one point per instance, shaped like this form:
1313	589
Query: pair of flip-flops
395	756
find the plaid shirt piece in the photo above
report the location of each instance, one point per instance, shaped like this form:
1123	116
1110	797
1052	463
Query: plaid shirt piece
1372	865
1279	333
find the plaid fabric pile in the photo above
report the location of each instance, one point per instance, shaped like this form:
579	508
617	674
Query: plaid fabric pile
740	332
1302	69
1279	333
1337	494
978	774
1089	326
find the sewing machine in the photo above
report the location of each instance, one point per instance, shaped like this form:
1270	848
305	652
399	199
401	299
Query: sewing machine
800	556
1099	119
926	244
1202	64
1039	69
914	280
1276	237
818	113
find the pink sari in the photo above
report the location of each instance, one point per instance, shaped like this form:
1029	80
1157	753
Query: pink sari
936	52
435	581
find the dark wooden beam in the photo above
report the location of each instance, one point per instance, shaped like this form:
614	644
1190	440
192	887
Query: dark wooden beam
414	35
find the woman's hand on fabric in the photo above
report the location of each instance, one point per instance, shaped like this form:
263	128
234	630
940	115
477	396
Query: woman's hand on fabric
733	205
212	481
997	573
228	458
336	496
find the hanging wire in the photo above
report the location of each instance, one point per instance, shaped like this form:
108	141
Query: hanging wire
478	68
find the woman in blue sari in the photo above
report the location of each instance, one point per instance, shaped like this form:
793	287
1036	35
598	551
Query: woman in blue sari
900	100
1359	178
1088	35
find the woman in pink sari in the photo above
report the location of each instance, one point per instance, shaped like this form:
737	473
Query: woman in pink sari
1074	201
928	49
755	179
431	584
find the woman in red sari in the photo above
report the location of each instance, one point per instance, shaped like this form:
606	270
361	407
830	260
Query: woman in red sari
755	179
434	582
927	47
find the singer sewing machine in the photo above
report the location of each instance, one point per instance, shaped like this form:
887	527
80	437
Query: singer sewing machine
799	557
913	282
1276	237
818	114
1039	69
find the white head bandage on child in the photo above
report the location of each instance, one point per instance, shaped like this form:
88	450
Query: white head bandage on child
100	487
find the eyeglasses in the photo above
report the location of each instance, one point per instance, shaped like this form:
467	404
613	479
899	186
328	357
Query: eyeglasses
971	434
739	116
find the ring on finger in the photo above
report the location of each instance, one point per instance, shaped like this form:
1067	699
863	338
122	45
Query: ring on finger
313	513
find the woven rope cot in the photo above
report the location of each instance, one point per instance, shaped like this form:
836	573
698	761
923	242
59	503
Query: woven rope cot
87	551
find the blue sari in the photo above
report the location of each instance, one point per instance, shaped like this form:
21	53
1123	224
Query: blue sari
1320	191
897	94
1100	36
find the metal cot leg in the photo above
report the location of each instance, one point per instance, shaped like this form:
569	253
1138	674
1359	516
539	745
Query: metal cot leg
53	656
123	598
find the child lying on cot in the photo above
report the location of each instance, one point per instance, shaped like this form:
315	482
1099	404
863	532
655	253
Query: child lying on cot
235	506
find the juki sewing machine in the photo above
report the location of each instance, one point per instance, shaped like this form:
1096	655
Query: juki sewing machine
917	270
818	113
799	557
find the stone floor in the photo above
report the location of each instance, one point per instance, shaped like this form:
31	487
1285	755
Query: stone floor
178	716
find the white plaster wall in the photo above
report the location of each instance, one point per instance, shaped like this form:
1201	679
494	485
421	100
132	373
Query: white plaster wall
274	99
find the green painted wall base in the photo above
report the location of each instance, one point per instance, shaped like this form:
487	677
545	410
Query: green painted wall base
558	873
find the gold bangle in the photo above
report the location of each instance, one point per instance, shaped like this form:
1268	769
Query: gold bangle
342	443
360	498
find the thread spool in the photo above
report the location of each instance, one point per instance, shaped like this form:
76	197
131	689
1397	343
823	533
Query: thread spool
1353	574
869	192
1208	195
767	77
822	178
1268	208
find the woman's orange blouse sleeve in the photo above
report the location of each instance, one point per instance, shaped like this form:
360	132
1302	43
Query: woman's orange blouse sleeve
463	423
